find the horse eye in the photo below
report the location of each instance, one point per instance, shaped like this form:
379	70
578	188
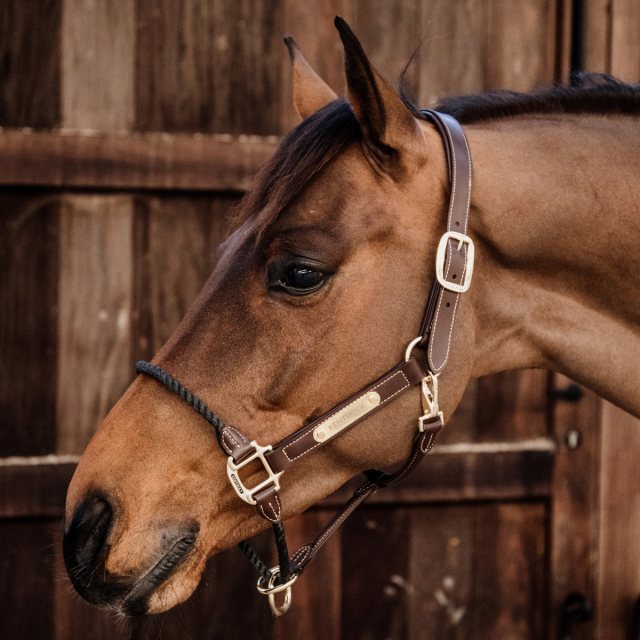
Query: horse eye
300	279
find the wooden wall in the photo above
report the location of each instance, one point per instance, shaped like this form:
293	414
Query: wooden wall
147	120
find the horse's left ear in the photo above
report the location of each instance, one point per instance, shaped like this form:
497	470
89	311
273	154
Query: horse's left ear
310	91
390	129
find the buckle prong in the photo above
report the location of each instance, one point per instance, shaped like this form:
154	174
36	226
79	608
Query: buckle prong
441	255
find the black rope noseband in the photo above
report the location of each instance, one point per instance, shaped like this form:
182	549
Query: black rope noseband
175	386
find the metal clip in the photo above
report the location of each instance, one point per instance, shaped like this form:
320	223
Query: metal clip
271	589
430	407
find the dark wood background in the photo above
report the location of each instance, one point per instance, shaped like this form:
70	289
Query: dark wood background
129	131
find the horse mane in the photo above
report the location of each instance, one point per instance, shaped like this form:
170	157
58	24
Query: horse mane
596	93
317	140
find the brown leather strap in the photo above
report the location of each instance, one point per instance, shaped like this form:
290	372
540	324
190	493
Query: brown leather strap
375	480
345	415
437	326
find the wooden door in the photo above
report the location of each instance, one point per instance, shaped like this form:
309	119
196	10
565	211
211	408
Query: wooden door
516	508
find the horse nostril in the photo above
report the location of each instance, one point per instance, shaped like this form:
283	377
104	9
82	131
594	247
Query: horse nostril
87	533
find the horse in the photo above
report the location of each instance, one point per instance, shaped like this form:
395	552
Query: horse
322	284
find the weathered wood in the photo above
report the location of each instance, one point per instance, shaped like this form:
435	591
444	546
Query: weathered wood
574	506
619	551
492	472
625	26
208	66
521	44
94	326
28	288
454	49
97	85
477	572
175	237
137	161
34	487
375	546
25	590
30	59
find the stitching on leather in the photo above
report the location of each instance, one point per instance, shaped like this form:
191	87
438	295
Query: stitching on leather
317	444
227	436
344	515
301	554
276	514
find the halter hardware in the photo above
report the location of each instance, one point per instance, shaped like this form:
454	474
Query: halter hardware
434	342
272	588
441	254
245	493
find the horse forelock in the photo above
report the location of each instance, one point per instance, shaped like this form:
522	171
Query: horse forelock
303	153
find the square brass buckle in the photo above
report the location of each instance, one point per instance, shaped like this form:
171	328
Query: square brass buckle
441	256
247	493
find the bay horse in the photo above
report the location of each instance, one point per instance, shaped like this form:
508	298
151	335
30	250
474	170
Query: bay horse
323	283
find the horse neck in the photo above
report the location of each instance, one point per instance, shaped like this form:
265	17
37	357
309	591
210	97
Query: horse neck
556	216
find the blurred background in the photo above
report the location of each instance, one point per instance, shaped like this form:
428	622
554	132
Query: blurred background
129	130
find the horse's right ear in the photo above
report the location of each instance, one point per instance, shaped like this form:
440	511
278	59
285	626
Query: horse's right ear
310	91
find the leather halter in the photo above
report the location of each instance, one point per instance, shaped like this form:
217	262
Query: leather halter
454	270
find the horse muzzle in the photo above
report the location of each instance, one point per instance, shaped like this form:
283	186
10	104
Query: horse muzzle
86	549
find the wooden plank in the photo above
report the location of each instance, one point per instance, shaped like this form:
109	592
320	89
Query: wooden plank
511	406
390	31
136	161
574	506
619	555
215	66
454	49
26	589
453	475
375	562
34	487
173	260
597	35
625	52
477	572
97	65
28	263
30	55
95	298
521	44
495	471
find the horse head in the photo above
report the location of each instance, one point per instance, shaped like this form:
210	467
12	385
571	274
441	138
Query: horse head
317	291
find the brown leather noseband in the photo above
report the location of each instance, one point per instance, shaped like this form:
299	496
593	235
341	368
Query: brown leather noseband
454	270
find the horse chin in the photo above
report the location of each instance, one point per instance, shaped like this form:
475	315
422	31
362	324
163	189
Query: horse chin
175	590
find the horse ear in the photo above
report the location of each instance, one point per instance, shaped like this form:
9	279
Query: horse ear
388	126
310	91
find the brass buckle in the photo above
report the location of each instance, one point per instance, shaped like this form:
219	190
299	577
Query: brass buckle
440	260
246	493
271	589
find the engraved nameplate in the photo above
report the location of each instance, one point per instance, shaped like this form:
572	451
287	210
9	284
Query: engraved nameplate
346	416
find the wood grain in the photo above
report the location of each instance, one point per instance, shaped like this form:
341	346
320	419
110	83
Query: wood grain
97	41
94	328
30	63
142	161
521	44
625	26
619	552
176	239
208	66
28	339
575	506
